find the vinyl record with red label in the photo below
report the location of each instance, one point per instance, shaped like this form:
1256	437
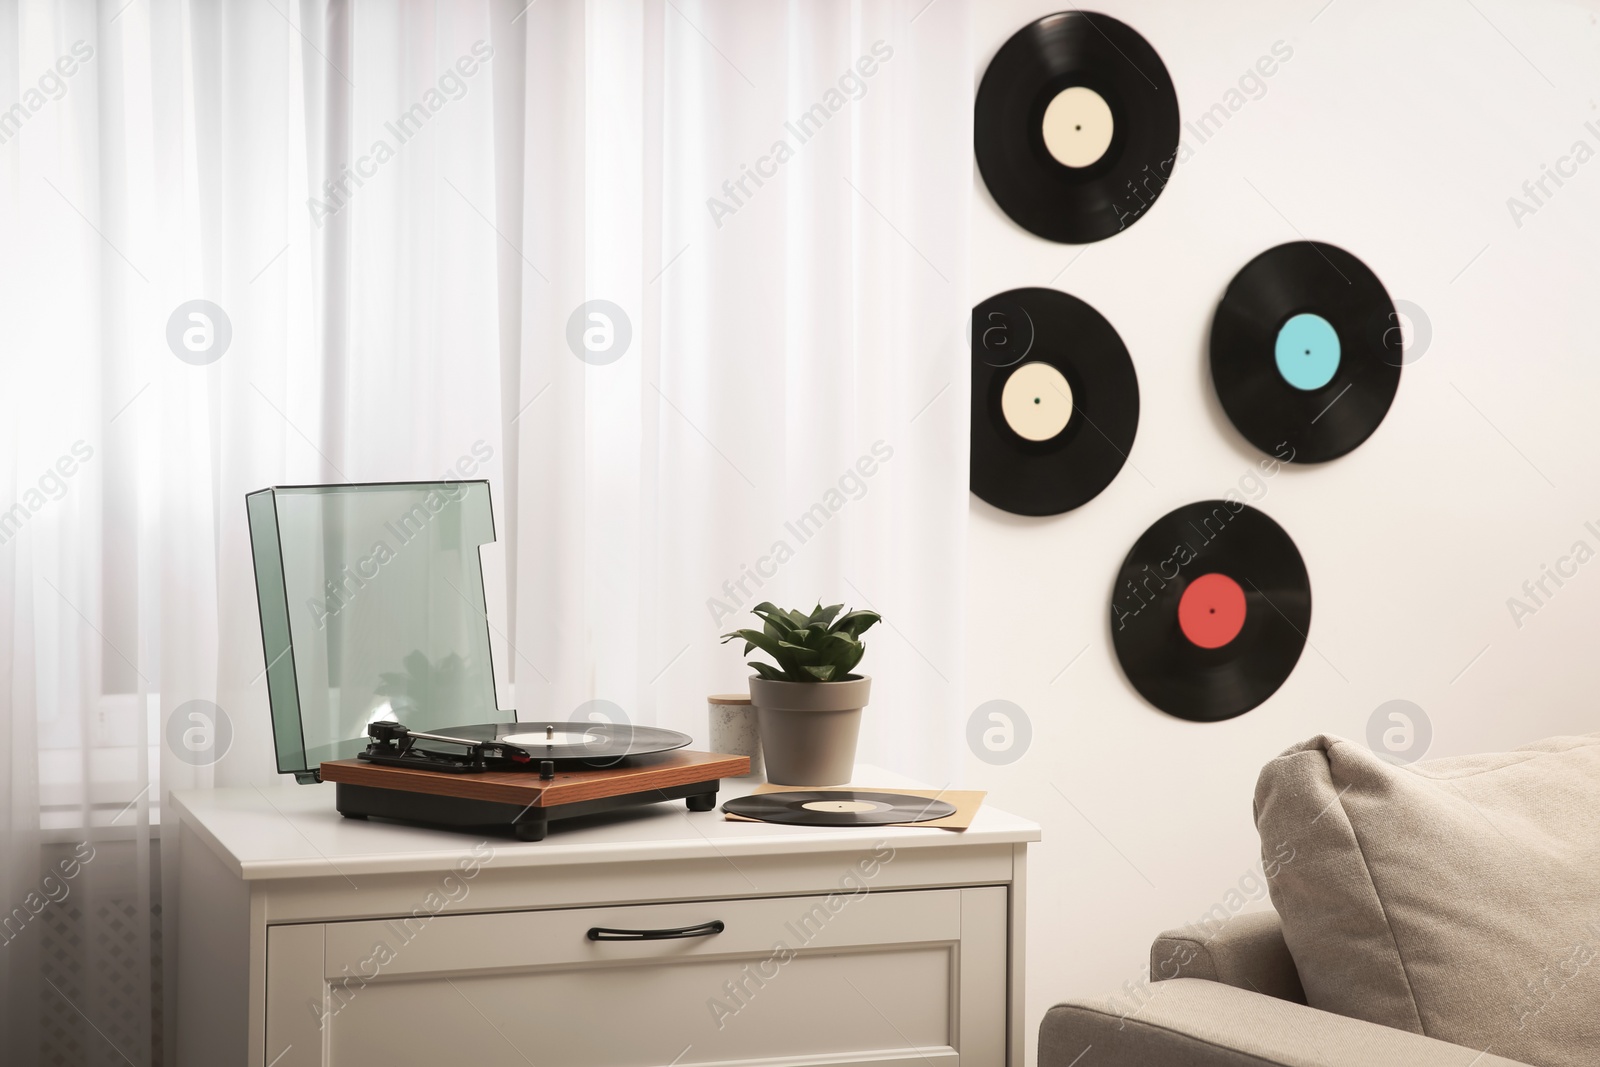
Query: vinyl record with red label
1306	351
1211	610
1076	127
1055	402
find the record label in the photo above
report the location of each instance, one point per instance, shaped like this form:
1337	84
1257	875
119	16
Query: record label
1076	127
1048	434
1211	610
838	807
551	736
1304	355
1307	351
1036	401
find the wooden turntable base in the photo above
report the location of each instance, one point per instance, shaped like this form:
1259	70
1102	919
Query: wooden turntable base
521	800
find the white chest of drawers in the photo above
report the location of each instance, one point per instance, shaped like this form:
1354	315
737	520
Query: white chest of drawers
305	939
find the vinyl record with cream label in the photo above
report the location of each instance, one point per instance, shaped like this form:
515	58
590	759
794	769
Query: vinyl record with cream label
1076	127
838	807
1055	402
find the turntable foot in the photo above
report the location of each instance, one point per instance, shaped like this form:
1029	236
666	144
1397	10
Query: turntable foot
353	814
701	801
532	830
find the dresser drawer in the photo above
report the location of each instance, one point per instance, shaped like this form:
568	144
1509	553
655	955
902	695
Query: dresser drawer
880	978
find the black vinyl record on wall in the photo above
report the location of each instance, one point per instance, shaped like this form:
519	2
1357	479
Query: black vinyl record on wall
1076	127
1306	351
1211	610
1055	402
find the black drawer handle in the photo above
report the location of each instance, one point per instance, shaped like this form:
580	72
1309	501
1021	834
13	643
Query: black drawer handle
601	933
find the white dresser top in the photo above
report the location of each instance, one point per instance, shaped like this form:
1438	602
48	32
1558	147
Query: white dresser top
295	832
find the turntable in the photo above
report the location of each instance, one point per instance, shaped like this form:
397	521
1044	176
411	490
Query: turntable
379	673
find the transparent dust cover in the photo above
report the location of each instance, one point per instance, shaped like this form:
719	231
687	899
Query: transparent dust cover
372	609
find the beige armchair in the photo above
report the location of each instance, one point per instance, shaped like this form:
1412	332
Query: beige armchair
1233	1000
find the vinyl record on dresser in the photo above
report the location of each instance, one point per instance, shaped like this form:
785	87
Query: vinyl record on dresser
838	807
1076	127
1306	351
1211	610
1055	402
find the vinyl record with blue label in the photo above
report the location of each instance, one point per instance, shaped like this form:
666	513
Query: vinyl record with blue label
1211	610
1306	351
1055	402
1076	127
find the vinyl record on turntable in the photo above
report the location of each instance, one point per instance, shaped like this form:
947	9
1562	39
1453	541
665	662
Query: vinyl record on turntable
838	807
1076	127
1211	610
1305	352
1055	402
468	747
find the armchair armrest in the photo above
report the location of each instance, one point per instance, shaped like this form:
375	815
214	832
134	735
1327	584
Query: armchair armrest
1247	951
1187	1022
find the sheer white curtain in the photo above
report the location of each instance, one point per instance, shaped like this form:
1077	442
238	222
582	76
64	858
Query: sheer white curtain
774	195
400	217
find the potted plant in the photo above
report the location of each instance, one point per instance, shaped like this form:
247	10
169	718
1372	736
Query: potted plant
809	704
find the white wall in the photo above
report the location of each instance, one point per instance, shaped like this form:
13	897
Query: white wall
1398	131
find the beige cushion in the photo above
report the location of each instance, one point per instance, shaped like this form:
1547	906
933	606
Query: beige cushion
1458	898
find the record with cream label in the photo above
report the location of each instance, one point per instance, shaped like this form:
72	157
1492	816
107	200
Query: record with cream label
1306	351
471	747
1076	127
1211	610
1055	402
838	807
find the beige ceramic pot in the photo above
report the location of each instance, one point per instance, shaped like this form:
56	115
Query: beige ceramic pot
809	729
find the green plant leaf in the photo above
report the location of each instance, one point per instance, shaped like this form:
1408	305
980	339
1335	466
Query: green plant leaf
856	623
822	616
757	639
838	647
777	622
822	674
746	635
838	637
798	654
766	670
